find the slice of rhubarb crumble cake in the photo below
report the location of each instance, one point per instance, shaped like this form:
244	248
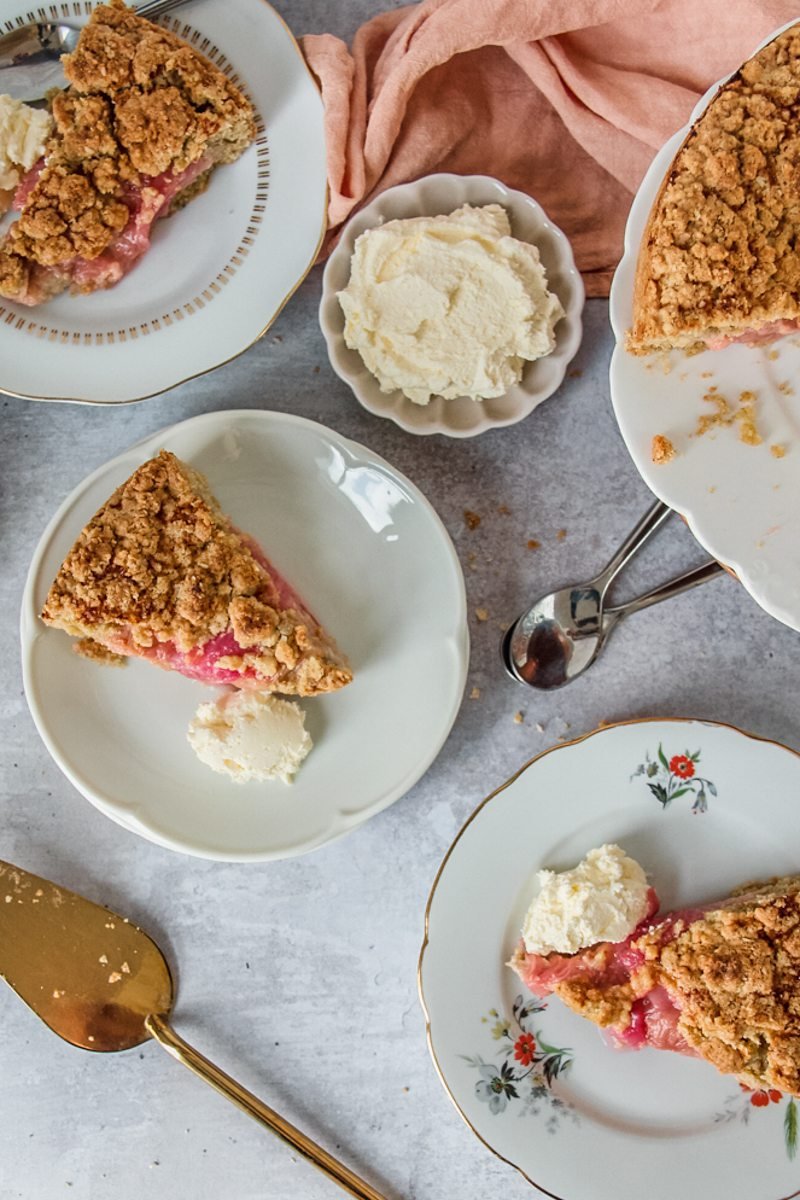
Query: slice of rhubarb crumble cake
145	120
720	981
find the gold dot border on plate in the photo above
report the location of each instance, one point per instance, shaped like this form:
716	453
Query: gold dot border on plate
194	37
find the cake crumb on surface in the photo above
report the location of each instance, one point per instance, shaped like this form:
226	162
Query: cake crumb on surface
475	694
471	518
746	419
562	533
482	614
532	544
662	449
725	415
518	718
504	510
777	450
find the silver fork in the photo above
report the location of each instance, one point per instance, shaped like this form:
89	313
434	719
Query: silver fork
30	55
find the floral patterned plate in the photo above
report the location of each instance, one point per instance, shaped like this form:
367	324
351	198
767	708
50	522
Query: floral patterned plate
703	807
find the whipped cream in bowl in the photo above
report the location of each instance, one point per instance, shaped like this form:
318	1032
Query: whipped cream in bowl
451	305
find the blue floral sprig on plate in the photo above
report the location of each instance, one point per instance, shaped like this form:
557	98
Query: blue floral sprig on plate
527	1066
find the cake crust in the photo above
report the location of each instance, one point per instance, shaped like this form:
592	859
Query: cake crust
719	257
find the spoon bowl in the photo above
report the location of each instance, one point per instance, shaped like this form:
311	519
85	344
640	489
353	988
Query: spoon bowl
557	638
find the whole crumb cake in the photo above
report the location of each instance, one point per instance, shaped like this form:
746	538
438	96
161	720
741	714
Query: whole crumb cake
145	120
721	982
161	573
718	260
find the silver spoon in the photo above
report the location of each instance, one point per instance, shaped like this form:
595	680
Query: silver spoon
561	634
30	55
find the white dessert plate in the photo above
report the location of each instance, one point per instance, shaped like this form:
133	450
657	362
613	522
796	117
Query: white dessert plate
365	549
579	1120
430	196
220	270
740	500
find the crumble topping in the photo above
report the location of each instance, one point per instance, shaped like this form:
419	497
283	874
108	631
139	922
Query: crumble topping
160	563
735	974
141	103
719	256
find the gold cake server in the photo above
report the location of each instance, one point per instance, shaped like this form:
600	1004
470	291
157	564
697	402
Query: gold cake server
102	984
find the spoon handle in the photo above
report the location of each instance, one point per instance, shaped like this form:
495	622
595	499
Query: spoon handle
160	1029
652	520
154	8
682	583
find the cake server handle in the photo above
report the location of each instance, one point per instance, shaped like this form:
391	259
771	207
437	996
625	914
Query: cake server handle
160	1029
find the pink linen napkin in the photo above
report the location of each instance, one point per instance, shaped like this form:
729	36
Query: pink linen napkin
567	100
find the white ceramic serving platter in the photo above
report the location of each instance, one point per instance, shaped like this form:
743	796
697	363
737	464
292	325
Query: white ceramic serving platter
220	270
431	196
740	501
365	550
610	1125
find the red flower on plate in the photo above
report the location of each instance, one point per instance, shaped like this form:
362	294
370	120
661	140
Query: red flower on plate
681	766
761	1097
525	1048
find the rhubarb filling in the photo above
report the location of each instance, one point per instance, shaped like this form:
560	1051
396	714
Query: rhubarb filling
610	983
762	336
222	659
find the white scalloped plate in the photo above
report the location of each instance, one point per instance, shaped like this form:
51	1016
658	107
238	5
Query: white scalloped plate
220	270
611	1125
740	501
365	549
430	196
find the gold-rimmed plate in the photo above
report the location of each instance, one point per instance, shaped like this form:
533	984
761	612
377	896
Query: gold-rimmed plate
690	801
219	271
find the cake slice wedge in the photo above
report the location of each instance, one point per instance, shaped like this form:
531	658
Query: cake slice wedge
720	982
160	573
719	260
144	122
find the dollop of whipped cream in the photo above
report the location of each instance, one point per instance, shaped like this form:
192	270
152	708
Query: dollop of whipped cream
448	305
23	133
603	899
250	736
